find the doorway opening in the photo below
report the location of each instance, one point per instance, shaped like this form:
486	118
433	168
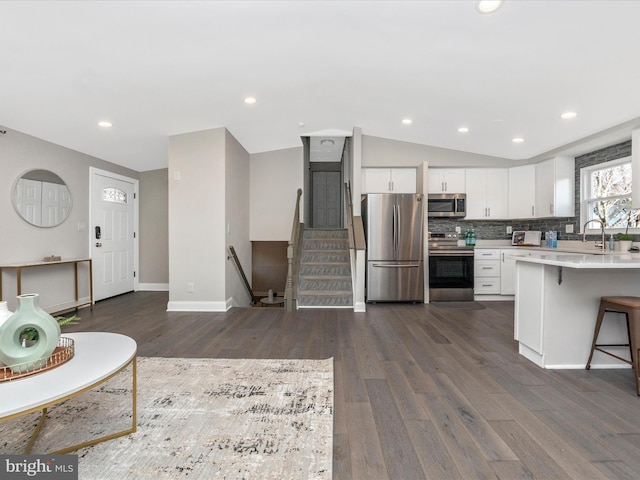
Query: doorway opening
326	159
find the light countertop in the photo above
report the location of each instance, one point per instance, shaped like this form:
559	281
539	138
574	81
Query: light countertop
564	246
614	260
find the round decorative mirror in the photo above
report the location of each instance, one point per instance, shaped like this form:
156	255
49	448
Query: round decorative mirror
41	198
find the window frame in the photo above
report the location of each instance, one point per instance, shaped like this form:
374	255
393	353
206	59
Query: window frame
585	182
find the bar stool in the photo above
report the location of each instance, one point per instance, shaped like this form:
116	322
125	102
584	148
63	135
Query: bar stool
630	306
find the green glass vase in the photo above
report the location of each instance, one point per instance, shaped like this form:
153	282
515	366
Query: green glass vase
28	318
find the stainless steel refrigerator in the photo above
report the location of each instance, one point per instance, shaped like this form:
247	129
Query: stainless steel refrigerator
394	231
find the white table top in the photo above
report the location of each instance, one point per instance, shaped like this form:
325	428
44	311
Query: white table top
577	260
97	355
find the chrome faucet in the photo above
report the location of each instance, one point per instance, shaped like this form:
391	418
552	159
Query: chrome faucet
584	231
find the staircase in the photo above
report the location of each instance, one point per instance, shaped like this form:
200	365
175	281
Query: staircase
324	278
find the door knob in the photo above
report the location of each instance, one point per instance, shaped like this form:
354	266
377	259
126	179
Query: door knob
98	244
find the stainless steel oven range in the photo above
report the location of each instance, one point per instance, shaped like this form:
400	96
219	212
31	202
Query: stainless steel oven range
450	268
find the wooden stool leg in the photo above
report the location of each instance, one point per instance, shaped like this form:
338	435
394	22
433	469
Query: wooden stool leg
596	331
634	339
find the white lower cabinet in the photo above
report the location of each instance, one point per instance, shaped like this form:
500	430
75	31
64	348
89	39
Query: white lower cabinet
507	272
508	269
486	271
495	271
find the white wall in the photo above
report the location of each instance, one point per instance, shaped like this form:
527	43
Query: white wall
237	172
197	221
384	152
275	179
276	175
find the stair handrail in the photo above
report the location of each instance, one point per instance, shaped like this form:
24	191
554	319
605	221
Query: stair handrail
357	246
292	250
355	227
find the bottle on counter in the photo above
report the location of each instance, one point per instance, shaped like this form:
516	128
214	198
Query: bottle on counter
472	238
611	242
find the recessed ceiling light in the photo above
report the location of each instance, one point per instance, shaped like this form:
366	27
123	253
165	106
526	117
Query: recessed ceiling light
250	100
568	115
105	124
488	6
517	140
463	130
407	121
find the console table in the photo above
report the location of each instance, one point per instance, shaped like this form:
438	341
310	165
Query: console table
98	357
18	267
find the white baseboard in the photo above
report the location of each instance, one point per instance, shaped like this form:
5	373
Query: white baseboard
360	307
494	298
177	306
153	287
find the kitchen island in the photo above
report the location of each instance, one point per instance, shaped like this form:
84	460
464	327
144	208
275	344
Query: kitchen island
556	304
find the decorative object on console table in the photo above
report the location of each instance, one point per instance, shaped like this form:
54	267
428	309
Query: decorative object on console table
29	315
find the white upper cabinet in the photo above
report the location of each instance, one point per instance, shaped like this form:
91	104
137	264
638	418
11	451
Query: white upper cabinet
487	193
446	180
389	180
555	180
522	191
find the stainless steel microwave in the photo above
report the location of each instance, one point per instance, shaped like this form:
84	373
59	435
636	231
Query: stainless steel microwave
447	204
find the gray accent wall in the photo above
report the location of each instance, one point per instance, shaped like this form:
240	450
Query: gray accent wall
154	230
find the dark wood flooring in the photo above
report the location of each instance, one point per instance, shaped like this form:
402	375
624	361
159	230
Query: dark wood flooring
420	391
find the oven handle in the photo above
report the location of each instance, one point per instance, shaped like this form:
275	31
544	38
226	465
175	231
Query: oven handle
410	265
451	254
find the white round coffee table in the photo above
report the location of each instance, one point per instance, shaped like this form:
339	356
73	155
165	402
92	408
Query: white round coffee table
98	357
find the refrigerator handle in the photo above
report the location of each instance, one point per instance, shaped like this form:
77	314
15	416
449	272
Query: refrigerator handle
395	230
398	226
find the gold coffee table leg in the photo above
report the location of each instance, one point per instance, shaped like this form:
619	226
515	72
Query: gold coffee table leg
134	397
36	431
134	402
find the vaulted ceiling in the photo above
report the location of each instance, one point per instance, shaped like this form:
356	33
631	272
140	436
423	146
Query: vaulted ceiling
160	68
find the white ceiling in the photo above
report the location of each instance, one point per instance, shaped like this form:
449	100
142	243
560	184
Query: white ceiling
162	68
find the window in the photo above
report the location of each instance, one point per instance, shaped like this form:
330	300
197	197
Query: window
606	196
115	195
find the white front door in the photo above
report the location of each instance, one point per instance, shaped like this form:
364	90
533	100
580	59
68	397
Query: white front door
112	234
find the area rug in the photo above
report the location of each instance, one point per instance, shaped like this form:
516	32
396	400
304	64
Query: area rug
197	419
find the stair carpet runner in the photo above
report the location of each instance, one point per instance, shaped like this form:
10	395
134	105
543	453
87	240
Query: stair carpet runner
324	278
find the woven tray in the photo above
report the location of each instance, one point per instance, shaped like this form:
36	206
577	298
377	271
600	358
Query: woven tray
62	354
